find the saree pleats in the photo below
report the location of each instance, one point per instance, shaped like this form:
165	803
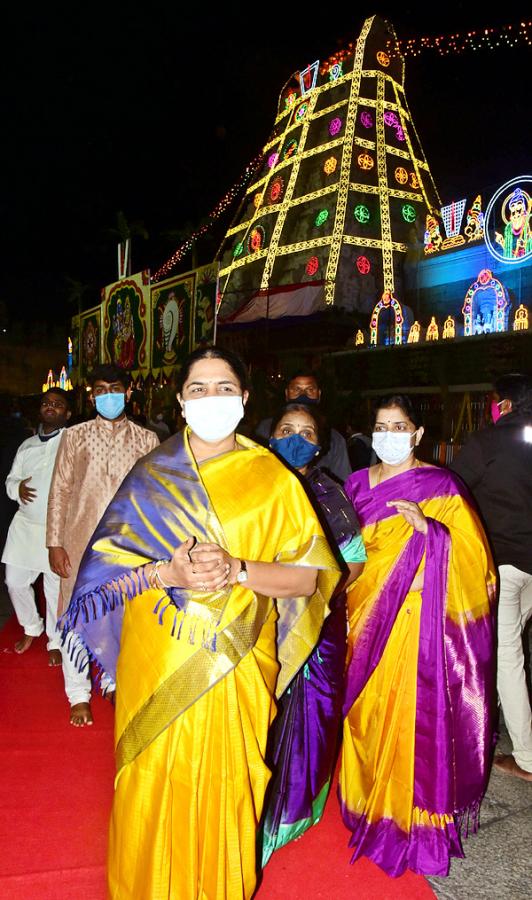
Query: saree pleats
192	798
418	729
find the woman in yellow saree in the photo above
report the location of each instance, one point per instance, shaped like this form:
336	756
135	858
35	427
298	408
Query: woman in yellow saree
418	728
195	683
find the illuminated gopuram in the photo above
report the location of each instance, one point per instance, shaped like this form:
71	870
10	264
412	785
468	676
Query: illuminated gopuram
341	196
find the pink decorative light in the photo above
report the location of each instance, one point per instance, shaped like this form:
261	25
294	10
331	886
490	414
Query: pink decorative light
335	126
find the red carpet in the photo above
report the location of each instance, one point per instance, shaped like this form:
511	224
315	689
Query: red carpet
55	797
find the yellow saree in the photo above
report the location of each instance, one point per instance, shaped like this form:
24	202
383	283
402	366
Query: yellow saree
192	714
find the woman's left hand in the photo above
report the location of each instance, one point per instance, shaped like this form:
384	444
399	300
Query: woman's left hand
412	513
213	558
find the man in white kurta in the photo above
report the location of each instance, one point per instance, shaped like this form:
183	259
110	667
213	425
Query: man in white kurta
93	460
25	553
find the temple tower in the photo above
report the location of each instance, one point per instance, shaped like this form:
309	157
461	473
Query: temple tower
338	206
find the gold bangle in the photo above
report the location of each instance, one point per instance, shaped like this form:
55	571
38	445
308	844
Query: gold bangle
157	574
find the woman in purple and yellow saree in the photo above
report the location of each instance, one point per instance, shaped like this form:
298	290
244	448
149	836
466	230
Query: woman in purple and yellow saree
418	728
199	661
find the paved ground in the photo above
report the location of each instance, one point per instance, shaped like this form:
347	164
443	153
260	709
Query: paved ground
498	863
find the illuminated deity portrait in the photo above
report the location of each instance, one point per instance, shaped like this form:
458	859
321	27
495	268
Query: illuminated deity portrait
517	240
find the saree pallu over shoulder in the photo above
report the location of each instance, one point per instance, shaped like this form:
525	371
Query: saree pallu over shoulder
434	654
165	500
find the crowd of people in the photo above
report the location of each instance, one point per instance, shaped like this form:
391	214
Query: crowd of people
255	606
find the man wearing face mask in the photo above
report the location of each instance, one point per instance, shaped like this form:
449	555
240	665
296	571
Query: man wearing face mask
92	461
496	464
303	388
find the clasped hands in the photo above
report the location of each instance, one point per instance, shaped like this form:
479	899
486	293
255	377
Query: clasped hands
200	567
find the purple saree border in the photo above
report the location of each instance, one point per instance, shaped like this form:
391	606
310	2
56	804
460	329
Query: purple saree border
418	485
425	850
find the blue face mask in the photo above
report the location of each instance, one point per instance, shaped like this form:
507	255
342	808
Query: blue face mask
295	450
110	406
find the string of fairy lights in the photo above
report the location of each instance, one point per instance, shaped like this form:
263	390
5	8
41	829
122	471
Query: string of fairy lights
215	213
504	36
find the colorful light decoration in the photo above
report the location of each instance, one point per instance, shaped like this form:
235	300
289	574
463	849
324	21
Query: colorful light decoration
401	175
365	161
521	318
366	119
322	217
335	126
363	265
399	133
449	329
362	214
414	181
408	212
515	244
62	382
256	239
494	319
238	249
301	111
359	338
474	229
387	300
290	100
505	36
290	149
390	118
432	239
257	200
308	77
433	332
485	39
414	333
276	189
452	216
383	59
273	159
336	72
312	265
329	166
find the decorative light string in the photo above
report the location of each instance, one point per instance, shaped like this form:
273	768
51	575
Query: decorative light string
517	34
218	210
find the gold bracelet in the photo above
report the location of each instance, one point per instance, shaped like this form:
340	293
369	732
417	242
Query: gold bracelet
155	576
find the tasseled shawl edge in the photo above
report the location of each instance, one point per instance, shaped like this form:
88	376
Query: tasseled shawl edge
98	603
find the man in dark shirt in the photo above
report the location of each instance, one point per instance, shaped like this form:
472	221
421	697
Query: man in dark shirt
304	388
496	463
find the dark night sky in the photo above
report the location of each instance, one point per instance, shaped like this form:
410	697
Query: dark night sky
156	113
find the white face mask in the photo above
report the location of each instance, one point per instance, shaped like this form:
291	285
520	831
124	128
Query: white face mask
393	447
213	418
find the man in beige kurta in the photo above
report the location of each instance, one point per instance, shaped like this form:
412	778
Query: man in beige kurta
92	461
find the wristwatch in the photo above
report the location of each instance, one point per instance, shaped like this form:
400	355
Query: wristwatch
242	576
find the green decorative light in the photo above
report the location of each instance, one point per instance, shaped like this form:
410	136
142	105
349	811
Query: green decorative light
322	217
238	249
362	214
409	213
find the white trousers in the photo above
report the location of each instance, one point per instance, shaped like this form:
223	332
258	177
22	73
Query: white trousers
19	583
515	609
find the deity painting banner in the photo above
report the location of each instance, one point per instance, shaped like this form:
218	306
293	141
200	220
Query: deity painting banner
508	232
90	331
183	316
126	323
